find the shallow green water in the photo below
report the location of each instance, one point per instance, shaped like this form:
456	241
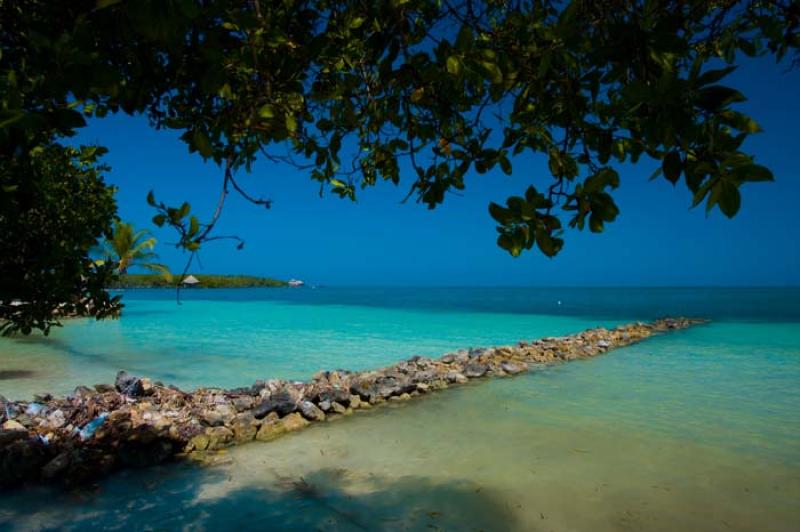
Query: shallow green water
234	342
695	430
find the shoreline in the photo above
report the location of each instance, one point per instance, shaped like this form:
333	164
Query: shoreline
136	422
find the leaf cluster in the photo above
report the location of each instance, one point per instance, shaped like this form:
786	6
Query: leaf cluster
350	92
54	206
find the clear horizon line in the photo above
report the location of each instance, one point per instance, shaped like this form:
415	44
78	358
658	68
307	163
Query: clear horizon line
370	285
411	285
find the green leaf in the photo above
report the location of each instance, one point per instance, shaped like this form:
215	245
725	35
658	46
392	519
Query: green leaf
729	198
417	95
357	23
68	119
716	97
753	172
505	242
202	144
464	39
291	123
605	177
702	192
151	199
159	219
505	165
516	204
267	111
547	244
603	206
102	4
595	223
672	166
493	71
748	47
657	172
544	63
9	117
740	121
226	92
712	76
500	214
454	65
194	226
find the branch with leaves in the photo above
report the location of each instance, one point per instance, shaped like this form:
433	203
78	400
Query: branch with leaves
351	92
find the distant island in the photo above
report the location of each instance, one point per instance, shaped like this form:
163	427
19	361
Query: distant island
202	281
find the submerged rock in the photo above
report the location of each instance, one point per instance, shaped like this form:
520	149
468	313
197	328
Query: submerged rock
276	427
21	460
56	466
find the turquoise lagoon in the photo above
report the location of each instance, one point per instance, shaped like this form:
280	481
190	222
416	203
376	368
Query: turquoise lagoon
694	430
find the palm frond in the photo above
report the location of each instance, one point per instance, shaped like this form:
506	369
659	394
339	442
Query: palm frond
128	248
161	269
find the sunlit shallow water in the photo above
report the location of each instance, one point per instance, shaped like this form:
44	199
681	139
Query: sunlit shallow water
695	430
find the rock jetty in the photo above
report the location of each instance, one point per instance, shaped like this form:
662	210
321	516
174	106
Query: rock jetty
136	422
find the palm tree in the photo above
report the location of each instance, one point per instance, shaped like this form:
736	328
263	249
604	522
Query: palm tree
130	248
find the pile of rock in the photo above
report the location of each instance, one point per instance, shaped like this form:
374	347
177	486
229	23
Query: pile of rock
137	422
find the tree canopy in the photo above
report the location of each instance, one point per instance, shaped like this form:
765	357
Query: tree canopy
352	91
54	206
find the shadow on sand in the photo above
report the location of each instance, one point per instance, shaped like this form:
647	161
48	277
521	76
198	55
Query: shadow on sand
9	374
208	499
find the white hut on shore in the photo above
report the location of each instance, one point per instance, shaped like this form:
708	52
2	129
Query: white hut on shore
190	280
295	282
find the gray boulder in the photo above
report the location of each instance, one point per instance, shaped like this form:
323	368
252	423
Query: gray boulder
335	395
513	367
475	369
283	402
311	411
128	384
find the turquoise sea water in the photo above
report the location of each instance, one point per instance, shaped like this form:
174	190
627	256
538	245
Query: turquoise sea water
695	430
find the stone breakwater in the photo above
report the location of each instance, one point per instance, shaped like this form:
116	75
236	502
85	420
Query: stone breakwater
136	422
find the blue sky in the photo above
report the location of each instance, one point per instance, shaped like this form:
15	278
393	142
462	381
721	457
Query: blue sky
657	240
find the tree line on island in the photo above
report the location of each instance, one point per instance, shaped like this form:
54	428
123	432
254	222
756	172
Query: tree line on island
128	248
349	92
150	280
